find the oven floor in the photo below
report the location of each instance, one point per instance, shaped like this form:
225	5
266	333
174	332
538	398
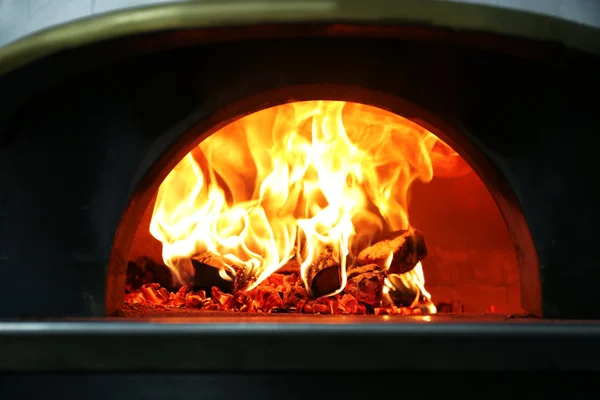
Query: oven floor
145	312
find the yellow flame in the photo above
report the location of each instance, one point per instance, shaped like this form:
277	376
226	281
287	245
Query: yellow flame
414	277
293	180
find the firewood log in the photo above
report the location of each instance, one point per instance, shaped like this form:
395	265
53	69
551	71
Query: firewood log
323	275
207	274
365	283
407	249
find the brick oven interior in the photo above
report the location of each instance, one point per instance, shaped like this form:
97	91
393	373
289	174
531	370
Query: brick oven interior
471	265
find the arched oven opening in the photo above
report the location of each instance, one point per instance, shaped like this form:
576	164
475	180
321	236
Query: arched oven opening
323	199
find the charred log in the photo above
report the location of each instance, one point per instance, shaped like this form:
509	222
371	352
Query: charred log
207	274
365	284
407	249
243	281
363	269
323	275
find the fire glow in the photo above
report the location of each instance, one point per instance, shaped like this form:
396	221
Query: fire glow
295	181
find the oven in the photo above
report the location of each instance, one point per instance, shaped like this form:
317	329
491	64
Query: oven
245	190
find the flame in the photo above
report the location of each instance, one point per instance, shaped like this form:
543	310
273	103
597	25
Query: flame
295	180
409	281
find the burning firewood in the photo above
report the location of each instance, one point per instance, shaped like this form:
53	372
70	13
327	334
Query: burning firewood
323	275
365	284
207	274
285	292
242	281
290	267
402	292
406	248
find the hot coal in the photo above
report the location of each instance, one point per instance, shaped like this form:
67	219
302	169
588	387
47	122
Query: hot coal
294	295
280	293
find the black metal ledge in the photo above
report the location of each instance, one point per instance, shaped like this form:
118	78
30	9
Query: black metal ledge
299	385
280	344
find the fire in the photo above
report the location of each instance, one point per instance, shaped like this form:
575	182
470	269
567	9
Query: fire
293	181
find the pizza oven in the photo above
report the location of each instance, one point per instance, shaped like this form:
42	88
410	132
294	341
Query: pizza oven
300	178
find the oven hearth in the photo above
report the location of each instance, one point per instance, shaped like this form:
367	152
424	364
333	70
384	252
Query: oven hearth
284	292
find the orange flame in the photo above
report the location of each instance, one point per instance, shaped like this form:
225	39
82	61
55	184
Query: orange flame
293	180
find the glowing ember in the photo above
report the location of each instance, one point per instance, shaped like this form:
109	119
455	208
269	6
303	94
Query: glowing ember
279	293
295	181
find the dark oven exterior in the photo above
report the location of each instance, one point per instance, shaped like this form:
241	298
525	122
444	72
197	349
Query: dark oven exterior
93	113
